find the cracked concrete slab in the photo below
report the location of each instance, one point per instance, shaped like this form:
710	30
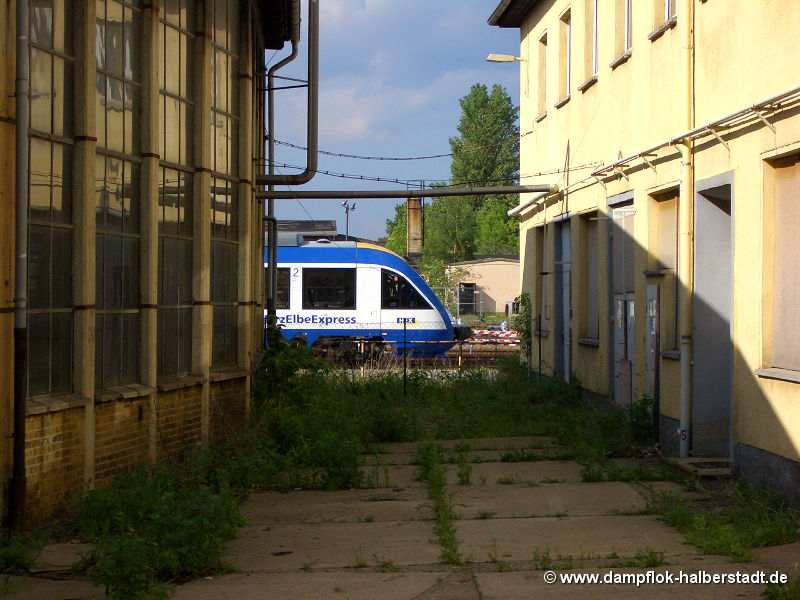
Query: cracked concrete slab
291	547
347	506
518	539
547	499
332	585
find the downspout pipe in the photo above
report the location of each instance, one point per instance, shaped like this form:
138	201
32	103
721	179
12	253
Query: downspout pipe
272	273
686	249
312	136
272	224
18	484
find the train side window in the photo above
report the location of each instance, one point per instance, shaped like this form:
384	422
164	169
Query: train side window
397	292
282	293
329	288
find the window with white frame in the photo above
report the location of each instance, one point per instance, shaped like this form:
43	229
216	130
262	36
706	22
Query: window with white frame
542	76
622	27
565	54
590	38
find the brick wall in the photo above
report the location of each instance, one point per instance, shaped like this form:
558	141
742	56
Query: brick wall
55	440
179	413
54	456
228	401
121	437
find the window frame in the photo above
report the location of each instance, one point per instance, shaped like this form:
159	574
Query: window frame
349	303
405	286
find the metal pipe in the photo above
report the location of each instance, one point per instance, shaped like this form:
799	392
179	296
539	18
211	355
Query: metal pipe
312	136
685	251
272	248
428	193
268	281
18	484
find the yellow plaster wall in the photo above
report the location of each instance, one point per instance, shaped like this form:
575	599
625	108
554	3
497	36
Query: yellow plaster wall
745	53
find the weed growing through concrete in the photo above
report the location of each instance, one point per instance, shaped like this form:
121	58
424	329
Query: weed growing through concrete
749	518
786	591
429	458
484	514
464	470
384	564
543	561
509	480
642	558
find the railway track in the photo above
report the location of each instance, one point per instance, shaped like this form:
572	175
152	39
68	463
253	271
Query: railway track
482	354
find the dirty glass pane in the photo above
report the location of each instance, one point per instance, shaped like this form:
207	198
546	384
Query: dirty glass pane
39	180
62	267
38	354
39	267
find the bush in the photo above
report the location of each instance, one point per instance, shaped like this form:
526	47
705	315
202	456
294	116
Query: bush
155	524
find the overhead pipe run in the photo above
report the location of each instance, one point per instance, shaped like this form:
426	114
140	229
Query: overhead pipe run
312	137
427	193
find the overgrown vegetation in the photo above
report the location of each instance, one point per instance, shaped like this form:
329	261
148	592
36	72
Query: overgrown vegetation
18	552
429	459
311	427
749	518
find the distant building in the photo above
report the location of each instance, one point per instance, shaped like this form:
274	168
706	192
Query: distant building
310	230
486	284
668	266
315	230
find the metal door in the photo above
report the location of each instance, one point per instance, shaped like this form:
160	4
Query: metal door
653	349
623	316
563	300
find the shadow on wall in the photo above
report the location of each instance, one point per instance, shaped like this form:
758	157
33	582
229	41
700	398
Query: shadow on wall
587	282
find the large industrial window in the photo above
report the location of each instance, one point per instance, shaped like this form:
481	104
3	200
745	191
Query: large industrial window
785	309
117	80
175	198
174	272
50	198
397	292
329	288
224	128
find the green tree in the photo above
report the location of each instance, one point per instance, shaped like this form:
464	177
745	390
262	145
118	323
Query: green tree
486	152
396	229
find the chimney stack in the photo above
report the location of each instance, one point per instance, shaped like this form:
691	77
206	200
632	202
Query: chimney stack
414	227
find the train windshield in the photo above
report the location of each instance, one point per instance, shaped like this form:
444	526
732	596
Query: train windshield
329	288
397	292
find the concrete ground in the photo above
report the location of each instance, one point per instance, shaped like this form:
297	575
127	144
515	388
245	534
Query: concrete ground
519	523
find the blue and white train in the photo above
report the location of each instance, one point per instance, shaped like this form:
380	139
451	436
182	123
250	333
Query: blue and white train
340	292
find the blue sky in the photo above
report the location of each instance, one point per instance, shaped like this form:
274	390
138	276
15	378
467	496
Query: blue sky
391	75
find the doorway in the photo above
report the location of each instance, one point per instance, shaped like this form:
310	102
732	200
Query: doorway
712	304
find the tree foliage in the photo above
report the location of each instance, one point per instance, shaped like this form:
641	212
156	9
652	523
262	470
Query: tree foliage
485	153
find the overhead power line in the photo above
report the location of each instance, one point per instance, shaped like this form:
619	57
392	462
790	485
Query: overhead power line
418	181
